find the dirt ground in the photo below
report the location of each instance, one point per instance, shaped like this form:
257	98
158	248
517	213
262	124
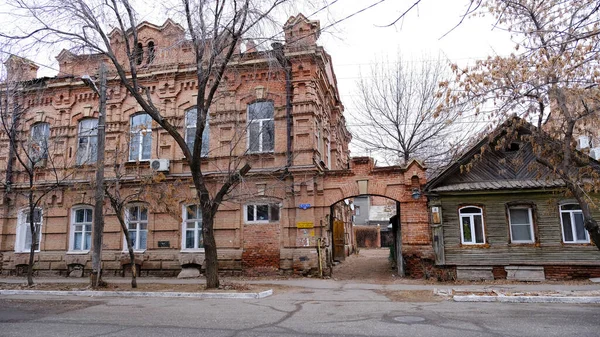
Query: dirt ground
368	266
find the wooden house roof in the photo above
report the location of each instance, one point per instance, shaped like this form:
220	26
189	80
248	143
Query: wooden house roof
490	166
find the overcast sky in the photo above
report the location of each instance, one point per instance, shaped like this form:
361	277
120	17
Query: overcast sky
356	43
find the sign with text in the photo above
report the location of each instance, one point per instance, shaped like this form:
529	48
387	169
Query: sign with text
305	224
304	206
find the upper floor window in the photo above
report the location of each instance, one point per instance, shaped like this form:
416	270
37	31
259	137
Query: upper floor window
151	52
471	224
190	131
192	227
521	225
137	223
571	219
87	141
81	229
261	127
24	237
139	53
40	133
140	137
262	213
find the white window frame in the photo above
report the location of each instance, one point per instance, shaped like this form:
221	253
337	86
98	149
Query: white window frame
255	205
572	219
197	229
205	134
139	133
260	122
138	228
530	224
83	231
471	217
23	229
89	134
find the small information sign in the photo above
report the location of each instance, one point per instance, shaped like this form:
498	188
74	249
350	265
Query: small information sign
305	224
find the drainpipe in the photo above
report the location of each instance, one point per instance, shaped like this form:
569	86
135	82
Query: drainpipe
287	67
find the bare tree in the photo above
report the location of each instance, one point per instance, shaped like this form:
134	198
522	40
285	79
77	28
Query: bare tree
215	29
30	153
397	112
551	80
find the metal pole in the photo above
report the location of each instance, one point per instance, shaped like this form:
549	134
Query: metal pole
98	228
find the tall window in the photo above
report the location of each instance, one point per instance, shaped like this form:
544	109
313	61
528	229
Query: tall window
151	52
471	224
81	229
192	227
190	131
40	133
23	240
140	137
262	213
137	224
572	224
139	53
87	141
521	225
261	127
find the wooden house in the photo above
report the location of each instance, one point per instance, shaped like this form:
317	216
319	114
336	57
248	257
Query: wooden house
498	213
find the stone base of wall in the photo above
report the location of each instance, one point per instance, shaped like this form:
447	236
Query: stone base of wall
165	263
477	273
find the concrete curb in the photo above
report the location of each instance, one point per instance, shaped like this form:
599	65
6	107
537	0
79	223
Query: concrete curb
528	299
89	293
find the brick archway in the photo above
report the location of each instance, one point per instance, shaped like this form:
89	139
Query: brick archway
394	182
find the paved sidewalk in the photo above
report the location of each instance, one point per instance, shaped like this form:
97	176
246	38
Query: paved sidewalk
315	283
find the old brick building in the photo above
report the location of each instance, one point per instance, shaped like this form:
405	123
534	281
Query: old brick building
271	222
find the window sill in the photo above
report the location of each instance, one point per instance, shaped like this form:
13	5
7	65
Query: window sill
77	252
474	245
135	251
575	243
25	251
261	223
191	251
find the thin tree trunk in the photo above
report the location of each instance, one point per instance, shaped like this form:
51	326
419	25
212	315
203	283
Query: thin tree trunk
133	266
32	230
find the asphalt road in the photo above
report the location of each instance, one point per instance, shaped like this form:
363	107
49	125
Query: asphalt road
298	312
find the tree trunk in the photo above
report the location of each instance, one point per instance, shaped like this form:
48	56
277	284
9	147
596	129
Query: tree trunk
133	266
210	248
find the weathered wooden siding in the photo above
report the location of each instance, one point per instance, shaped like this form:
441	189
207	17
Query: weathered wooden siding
547	250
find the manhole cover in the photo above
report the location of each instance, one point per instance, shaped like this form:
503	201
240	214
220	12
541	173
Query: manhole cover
408	319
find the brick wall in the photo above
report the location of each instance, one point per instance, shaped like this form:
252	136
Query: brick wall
261	252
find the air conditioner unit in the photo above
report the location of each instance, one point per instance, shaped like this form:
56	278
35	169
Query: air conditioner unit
595	153
161	165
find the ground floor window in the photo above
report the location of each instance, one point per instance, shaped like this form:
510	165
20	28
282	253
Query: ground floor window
137	224
471	224
262	213
572	224
81	229
521	225
24	237
192	227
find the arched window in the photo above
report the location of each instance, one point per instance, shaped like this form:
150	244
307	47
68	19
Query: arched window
40	133
151	52
471	225
136	217
261	127
139	53
23	239
192	228
140	146
571	219
87	141
81	229
190	131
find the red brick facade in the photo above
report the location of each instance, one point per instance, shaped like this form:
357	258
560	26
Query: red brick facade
320	172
